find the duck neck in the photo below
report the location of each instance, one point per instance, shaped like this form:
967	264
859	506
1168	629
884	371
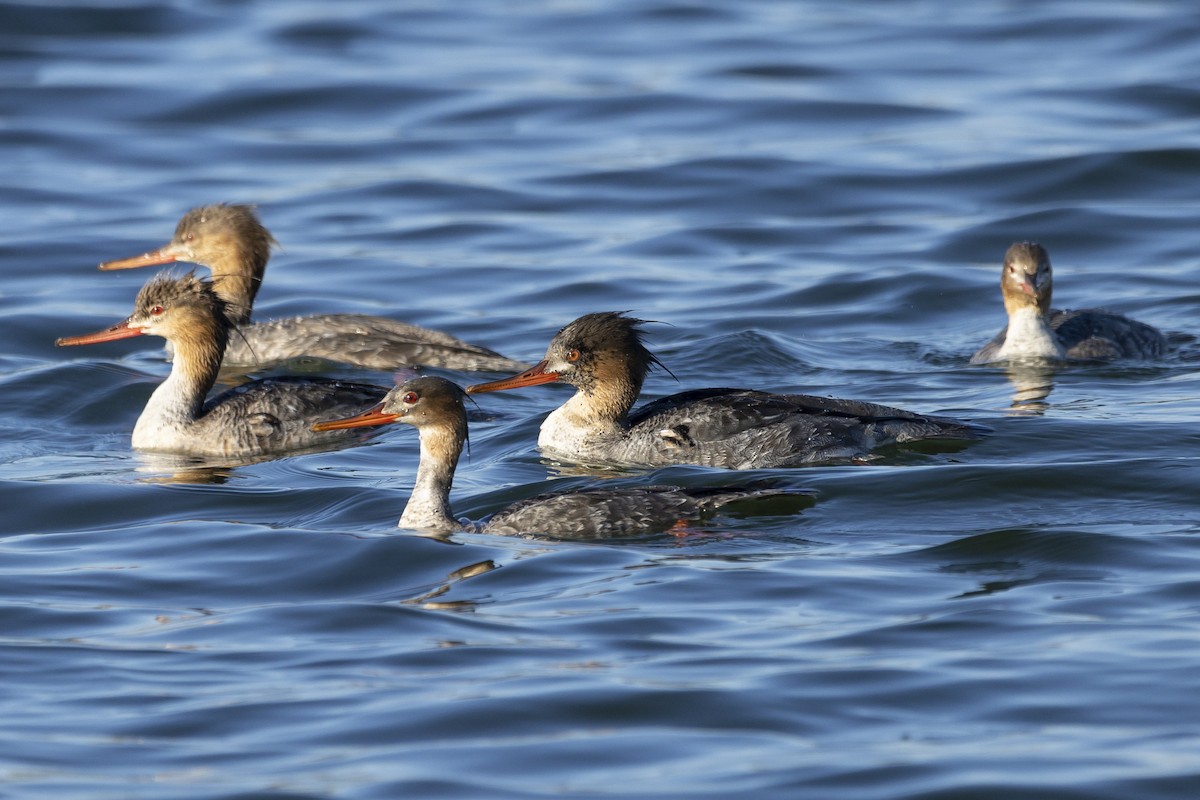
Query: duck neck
428	507
236	278
179	400
1030	335
599	410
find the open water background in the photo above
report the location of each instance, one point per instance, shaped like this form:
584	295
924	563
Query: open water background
814	197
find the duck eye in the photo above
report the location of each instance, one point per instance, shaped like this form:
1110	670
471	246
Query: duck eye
573	355
410	398
156	311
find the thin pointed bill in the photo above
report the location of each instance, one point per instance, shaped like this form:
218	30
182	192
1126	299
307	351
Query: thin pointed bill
530	377
163	255
122	330
372	416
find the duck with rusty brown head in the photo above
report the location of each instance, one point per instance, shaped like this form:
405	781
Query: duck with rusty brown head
263	417
434	406
602	355
231	241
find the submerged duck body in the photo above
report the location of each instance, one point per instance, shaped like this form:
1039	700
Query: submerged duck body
230	240
1037	331
435	407
258	418
603	357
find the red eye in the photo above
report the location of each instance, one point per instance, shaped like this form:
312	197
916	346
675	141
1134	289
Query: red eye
573	355
156	311
410	397
191	237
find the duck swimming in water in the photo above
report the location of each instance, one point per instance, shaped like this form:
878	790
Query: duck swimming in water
434	406
1036	331
603	357
232	242
258	418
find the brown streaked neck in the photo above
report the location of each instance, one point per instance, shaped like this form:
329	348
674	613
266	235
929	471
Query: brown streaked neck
179	401
607	404
199	347
610	390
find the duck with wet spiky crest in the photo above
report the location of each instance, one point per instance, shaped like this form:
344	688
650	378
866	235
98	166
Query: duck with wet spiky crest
434	406
230	240
602	355
1035	331
254	419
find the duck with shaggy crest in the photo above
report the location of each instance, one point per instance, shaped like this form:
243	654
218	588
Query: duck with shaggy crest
602	355
434	406
230	240
258	418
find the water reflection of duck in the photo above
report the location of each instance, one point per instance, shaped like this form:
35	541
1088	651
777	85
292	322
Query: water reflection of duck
434	406
1032	382
232	242
1036	331
257	418
603	357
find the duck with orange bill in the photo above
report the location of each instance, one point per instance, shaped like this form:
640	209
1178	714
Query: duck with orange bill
434	406
230	240
258	418
602	355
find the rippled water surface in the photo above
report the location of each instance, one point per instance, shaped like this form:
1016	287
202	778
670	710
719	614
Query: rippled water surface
808	196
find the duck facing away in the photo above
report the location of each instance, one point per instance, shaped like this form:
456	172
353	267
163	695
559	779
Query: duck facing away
603	357
254	419
232	242
1036	331
434	406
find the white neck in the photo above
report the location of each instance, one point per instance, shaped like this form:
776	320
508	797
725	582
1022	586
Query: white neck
428	507
1029	336
574	427
170	412
170	418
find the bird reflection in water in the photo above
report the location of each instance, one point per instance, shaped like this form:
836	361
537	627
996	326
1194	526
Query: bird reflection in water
1032	383
428	599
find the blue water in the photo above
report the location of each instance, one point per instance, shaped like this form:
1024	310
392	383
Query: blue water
810	197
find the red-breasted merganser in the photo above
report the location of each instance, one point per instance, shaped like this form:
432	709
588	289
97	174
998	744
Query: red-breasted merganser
1036	331
253	419
603	357
232	242
434	406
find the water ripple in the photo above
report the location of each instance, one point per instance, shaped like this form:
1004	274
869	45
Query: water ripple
807	197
